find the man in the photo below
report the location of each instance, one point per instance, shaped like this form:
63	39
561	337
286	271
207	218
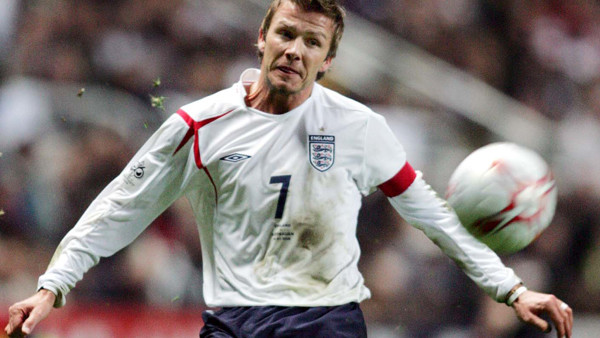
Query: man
274	168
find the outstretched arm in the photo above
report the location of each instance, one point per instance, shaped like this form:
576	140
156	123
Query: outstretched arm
152	180
115	218
530	305
421	207
26	314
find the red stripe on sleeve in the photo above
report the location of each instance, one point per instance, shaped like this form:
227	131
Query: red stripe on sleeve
400	182
186	117
190	132
193	131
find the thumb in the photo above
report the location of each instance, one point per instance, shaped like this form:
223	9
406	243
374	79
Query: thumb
33	319
28	327
541	324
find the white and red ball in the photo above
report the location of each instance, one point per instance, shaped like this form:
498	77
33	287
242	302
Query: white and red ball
504	194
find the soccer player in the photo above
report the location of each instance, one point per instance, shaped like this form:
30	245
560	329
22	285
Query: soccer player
274	168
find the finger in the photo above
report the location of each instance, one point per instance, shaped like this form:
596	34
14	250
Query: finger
571	319
569	322
560	324
15	320
560	328
12	330
559	317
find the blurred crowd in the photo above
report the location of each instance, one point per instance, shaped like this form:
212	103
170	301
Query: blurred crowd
84	83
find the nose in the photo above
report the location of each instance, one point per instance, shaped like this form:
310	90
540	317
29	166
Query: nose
293	49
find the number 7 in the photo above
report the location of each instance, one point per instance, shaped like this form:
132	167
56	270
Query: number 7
285	183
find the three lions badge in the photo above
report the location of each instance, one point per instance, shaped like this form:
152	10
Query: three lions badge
321	151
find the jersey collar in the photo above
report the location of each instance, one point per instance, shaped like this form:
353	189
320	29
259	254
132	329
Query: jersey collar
252	75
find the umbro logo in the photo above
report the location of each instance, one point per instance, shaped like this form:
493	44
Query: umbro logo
235	157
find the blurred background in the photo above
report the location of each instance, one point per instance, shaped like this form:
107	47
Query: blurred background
84	83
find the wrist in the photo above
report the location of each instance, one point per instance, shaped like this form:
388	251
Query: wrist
48	294
514	293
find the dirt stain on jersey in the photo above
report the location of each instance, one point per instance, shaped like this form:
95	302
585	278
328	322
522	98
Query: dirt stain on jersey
315	253
309	237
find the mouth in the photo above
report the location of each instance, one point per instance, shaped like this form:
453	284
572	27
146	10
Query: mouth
288	70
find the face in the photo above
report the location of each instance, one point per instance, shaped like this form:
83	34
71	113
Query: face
295	49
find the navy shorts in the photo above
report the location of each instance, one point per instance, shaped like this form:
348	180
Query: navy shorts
279	321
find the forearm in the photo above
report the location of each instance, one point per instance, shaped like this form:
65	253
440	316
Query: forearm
421	207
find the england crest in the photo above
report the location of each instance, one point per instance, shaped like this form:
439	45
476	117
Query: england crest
321	151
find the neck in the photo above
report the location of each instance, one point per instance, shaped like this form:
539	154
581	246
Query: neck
270	100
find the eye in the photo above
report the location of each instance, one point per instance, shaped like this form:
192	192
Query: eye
286	34
314	42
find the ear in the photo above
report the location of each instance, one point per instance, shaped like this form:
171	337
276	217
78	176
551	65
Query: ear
261	41
326	64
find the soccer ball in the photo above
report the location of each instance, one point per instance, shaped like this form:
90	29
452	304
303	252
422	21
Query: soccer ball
504	194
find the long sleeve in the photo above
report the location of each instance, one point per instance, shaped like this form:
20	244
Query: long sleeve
152	181
420	206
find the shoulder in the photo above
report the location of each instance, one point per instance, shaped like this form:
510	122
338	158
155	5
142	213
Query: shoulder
213	105
343	108
335	102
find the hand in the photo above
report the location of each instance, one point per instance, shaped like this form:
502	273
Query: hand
530	304
25	315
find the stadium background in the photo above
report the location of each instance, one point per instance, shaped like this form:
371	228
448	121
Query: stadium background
84	83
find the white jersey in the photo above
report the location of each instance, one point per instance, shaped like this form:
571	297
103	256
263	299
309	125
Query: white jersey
276	200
